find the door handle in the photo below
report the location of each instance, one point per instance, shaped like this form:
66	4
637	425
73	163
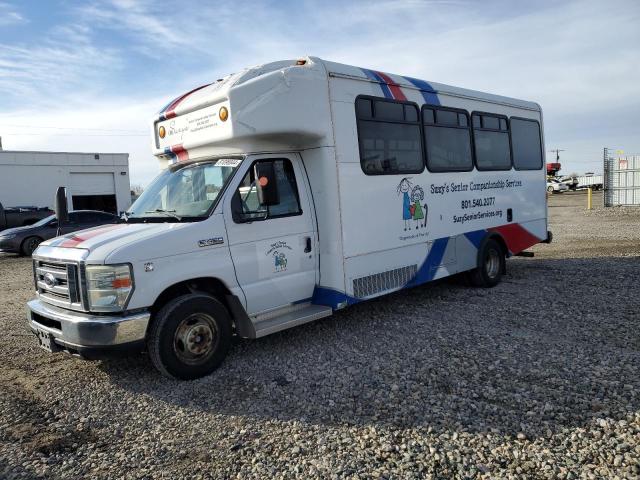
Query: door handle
307	247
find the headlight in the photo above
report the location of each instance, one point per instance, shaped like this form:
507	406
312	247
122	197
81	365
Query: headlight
108	287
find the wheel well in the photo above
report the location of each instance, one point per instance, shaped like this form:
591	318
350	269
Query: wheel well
31	236
498	238
212	286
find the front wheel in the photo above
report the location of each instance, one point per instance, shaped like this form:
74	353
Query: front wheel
550	189
491	264
190	337
29	245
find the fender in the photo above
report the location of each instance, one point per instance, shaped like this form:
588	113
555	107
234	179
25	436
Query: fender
216	288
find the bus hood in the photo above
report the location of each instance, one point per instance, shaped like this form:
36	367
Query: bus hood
132	242
109	238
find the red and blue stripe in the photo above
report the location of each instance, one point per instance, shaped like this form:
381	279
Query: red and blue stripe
169	110
393	91
177	153
516	237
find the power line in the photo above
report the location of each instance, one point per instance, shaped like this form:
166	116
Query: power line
78	134
72	128
557	152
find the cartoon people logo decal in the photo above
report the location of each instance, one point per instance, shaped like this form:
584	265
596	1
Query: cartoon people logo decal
279	256
280	261
413	206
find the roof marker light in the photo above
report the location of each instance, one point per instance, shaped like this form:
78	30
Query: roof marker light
301	62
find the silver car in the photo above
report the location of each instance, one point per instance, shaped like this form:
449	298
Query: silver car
556	186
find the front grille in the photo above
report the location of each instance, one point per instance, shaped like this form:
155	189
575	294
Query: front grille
57	283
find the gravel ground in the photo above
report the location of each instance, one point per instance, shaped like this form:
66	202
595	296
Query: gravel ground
536	378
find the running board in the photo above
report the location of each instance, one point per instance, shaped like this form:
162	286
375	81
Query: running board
291	319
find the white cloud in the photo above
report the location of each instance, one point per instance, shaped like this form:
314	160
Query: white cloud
10	16
53	68
579	60
121	126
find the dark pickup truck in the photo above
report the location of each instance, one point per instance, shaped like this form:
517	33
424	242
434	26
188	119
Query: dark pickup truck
21	216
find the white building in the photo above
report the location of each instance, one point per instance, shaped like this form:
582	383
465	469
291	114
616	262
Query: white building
94	181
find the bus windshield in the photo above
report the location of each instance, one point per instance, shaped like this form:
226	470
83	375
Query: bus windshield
183	194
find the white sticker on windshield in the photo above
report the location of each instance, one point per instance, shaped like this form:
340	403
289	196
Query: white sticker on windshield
228	162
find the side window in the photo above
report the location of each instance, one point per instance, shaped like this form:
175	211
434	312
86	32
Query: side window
388	136
245	205
94	217
105	217
85	217
526	144
491	141
447	139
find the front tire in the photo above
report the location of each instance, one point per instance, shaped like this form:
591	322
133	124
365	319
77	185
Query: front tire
550	189
29	245
189	337
491	264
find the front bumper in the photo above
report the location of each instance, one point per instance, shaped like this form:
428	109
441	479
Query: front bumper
9	246
85	333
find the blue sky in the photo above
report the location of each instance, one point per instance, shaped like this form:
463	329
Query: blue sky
89	75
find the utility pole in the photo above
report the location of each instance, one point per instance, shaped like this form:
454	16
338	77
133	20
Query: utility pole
557	152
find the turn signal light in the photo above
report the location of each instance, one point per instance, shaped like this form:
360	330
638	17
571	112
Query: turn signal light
162	132
223	114
121	283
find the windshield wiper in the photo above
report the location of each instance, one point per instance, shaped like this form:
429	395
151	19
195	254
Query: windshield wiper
169	213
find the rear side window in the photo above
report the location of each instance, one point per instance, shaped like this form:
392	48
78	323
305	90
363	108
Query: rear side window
447	139
526	144
491	141
388	136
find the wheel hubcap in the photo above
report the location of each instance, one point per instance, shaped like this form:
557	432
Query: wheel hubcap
492	264
196	339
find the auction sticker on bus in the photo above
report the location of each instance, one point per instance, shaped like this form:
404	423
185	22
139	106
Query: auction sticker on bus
228	162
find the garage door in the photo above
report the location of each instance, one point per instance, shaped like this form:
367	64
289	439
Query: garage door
92	184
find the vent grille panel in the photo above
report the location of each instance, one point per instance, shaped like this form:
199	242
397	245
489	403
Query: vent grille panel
381	282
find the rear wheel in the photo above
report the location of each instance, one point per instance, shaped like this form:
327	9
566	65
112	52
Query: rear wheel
29	245
190	337
491	264
550	189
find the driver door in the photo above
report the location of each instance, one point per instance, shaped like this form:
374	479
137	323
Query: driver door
274	248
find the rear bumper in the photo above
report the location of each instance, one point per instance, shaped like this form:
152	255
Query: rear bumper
86	334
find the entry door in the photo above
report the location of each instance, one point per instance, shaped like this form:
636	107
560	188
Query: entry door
273	248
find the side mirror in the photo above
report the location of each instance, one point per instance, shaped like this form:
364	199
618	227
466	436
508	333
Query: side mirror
62	210
266	183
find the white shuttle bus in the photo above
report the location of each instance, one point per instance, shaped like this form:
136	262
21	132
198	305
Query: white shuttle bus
288	191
